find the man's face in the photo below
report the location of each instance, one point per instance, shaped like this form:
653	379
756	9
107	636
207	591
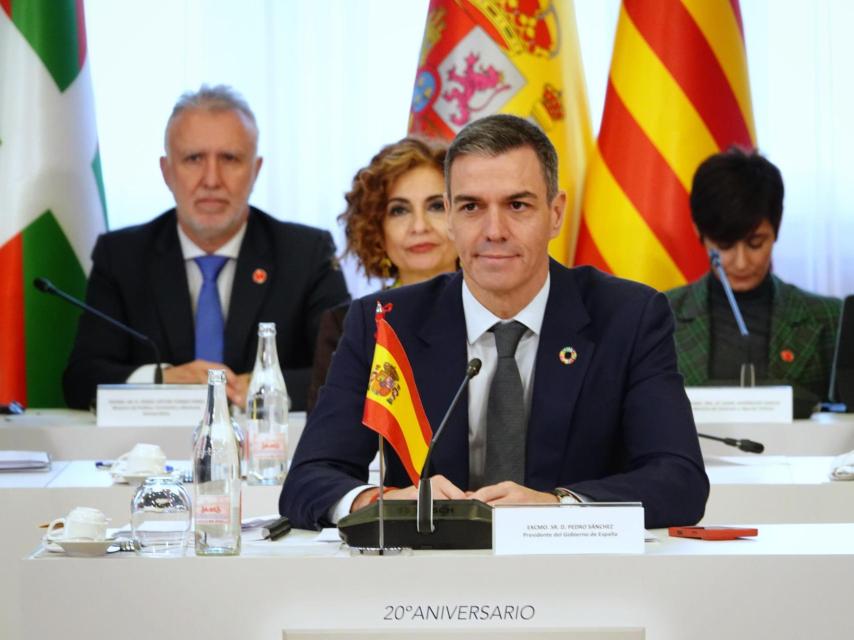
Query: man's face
501	221
210	167
747	261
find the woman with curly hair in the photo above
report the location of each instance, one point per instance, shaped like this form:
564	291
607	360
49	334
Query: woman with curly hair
395	225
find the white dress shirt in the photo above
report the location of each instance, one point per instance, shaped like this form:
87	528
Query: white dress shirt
190	250
230	250
480	343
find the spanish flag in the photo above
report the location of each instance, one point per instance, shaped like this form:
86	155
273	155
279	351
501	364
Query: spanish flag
480	57
392	405
677	93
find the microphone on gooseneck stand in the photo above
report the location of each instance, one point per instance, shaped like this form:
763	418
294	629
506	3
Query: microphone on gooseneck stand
424	506
46	286
748	372
744	444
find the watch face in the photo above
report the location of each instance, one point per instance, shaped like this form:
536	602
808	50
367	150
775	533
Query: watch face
565	496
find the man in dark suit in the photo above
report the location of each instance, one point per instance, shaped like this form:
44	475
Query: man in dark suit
589	406
199	278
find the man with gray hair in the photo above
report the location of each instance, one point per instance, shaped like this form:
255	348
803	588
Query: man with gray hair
578	398
199	278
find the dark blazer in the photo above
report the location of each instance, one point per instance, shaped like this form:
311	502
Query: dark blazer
139	276
614	425
803	335
328	335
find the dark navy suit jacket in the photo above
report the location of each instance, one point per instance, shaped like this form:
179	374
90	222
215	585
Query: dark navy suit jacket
139	277
615	425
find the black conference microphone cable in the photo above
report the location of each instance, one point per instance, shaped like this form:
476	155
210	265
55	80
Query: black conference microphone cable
46	286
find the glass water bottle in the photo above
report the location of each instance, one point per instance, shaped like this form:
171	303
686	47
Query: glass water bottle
216	476
266	434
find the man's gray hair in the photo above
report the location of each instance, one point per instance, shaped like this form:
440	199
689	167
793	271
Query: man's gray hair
217	98
496	134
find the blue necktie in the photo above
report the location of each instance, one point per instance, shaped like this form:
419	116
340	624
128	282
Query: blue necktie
210	326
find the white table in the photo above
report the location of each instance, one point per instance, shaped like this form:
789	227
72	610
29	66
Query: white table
824	434
31	499
69	435
745	488
793	581
776	489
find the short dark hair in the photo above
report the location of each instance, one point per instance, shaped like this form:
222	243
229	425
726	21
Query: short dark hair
733	192
496	134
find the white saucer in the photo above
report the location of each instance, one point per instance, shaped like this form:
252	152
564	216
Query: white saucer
79	548
134	478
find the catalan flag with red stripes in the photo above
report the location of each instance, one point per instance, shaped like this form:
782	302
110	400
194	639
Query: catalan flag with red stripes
480	57
677	93
51	195
392	405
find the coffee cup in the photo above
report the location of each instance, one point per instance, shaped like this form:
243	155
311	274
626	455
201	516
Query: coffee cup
143	459
81	523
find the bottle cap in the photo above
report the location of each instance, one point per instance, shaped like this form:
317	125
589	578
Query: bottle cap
266	329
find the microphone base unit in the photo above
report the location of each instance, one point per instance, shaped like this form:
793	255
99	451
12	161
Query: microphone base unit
459	524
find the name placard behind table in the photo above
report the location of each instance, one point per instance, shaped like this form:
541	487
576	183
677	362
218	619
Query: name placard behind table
150	405
723	405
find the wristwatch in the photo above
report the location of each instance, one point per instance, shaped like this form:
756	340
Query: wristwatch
566	496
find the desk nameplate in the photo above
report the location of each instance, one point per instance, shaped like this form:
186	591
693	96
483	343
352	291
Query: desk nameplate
150	405
741	405
588	528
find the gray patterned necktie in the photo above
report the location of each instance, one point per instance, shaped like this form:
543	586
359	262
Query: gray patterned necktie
505	411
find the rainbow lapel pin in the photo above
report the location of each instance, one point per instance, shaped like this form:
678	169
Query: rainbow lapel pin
567	355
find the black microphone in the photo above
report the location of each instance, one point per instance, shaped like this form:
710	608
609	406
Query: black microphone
46	286
748	375
745	445
424	506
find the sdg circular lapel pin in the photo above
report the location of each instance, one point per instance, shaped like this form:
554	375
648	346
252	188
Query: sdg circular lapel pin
568	355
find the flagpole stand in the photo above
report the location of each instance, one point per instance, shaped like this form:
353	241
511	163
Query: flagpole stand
381	549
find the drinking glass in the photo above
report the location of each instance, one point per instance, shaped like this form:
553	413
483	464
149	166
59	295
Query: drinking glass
161	516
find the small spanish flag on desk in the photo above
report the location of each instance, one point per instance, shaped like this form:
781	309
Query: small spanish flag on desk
392	405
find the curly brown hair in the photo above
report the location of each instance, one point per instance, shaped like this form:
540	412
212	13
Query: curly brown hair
368	198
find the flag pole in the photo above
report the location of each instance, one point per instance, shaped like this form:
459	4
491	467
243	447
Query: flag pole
381	498
382	380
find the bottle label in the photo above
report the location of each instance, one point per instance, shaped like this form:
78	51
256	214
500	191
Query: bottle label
213	510
268	446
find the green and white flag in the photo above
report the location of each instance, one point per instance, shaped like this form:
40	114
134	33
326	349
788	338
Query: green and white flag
51	193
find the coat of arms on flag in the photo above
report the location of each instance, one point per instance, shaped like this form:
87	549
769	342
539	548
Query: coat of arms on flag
385	382
481	57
